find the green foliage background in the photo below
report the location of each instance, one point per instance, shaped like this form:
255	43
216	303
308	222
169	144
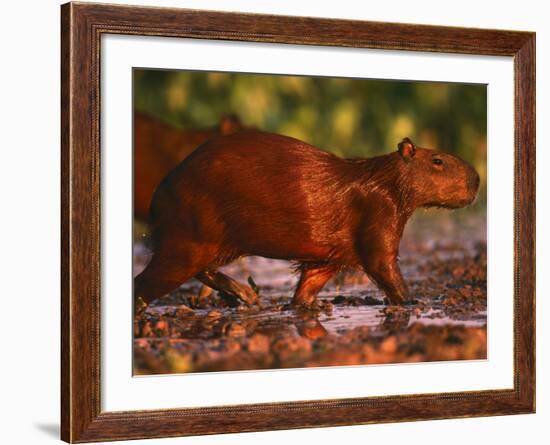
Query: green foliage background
349	117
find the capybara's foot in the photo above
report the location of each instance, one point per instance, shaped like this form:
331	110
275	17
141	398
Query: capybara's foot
244	293
400	302
410	302
310	305
398	299
229	287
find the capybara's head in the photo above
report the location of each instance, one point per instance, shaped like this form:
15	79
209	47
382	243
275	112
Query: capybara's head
437	179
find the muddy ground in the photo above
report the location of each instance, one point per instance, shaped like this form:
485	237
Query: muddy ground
443	259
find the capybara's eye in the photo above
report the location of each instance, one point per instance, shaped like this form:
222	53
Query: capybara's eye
437	161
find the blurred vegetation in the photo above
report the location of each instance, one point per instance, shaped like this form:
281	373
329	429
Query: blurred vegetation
349	117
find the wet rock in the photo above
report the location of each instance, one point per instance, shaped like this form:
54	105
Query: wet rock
292	348
205	292
389	345
249	310
327	307
258	344
277	300
147	330
214	314
235	330
179	363
183	311
371	301
198	302
249	325
360	333
231	346
454	339
162	328
356	301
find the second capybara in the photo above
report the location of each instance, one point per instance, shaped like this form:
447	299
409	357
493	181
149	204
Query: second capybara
256	193
159	147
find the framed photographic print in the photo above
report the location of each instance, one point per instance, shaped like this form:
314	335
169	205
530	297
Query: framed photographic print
275	222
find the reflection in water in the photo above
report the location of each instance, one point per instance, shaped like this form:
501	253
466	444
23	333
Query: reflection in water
310	327
396	321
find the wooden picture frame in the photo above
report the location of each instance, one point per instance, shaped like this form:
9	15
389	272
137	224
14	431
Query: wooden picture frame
82	26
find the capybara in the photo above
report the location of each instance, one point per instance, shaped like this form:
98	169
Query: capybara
159	147
256	193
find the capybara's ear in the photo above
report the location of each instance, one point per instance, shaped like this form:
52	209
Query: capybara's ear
406	148
230	124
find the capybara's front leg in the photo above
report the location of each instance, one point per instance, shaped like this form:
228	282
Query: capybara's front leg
223	283
312	280
387	275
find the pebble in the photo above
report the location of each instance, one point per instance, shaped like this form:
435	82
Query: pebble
339	300
232	346
205	292
328	308
214	314
389	345
183	310
235	330
161	326
371	301
258	344
289	346
147	330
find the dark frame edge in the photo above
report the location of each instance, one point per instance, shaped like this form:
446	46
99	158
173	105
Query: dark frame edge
525	221
79	229
65	428
81	417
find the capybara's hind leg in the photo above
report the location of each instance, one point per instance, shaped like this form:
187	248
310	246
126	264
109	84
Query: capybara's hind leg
311	282
164	273
228	285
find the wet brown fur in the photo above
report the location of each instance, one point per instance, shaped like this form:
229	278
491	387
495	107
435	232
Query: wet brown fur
255	193
159	147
